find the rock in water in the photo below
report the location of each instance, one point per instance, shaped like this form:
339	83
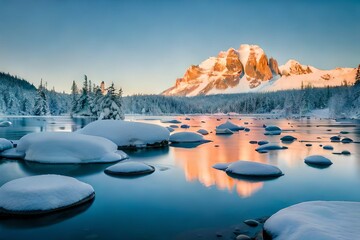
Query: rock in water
253	169
318	160
130	168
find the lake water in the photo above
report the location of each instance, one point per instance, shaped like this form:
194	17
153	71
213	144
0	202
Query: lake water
185	196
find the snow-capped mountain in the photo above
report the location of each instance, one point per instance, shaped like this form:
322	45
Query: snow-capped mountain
248	69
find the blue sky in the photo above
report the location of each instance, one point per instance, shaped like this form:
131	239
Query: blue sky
144	46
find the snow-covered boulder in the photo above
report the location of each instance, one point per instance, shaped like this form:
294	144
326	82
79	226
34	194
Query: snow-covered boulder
128	134
320	220
318	160
186	137
253	169
229	125
12	153
270	146
203	131
185	126
65	147
221	166
130	168
272	130
335	139
5	124
5	144
43	194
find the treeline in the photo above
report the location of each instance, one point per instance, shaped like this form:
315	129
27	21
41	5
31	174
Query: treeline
18	97
288	102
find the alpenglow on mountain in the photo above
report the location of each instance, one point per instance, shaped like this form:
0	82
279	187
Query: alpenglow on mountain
248	69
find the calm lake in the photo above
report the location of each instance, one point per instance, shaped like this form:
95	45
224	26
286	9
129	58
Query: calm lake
185	196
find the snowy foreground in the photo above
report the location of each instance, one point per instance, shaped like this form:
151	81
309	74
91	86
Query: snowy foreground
43	193
318	220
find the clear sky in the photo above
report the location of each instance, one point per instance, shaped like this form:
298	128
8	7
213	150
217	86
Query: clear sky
144	46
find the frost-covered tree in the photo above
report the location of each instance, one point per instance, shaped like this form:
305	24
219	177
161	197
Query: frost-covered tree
83	102
95	102
357	77
111	104
41	107
74	97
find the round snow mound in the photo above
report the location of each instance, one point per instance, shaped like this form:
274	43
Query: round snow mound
130	168
128	134
253	169
63	147
318	160
288	138
5	124
5	144
186	137
43	194
328	220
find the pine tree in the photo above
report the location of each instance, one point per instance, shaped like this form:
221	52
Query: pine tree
357	77
74	97
41	107
96	101
111	104
83	103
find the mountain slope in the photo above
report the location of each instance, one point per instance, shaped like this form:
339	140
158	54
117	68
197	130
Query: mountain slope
248	69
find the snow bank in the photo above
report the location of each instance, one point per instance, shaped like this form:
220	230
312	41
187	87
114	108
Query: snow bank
186	137
130	168
43	193
5	144
64	147
128	134
230	125
318	160
270	146
253	169
320	220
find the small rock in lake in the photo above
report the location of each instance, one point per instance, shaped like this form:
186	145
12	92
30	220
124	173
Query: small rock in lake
288	138
335	139
344	132
318	160
263	142
203	131
345	152
216	145
346	140
242	237
185	126
328	147
308	144
251	222
247	129
253	142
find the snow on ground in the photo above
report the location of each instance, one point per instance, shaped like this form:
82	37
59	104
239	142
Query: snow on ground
318	160
254	169
128	134
5	144
320	220
64	147
42	193
186	137
229	125
130	168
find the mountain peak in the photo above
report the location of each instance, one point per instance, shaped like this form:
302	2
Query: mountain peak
248	69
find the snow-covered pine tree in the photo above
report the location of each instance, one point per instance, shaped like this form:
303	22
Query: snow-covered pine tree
83	103
96	101
41	107
74	97
111	104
